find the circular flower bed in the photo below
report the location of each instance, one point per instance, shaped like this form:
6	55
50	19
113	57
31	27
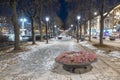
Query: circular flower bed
72	57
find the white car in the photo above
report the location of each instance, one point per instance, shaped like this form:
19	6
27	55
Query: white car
63	37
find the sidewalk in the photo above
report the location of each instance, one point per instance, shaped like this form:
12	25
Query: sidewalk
39	64
111	60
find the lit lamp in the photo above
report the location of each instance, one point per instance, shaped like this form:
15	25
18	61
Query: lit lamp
54	30
117	15
23	20
47	20
95	13
55	26
78	18
71	25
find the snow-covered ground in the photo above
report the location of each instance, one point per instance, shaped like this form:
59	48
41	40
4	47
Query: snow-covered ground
112	59
97	51
36	61
115	54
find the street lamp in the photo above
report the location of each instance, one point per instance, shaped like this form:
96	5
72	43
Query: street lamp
95	13
54	30
78	18
55	26
71	25
23	20
47	20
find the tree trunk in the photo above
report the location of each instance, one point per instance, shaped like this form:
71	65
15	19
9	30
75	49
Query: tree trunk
77	32
33	30
15	24
85	27
90	31
40	30
90	20
40	19
101	30
101	22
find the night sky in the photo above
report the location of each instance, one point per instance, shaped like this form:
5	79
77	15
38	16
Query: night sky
63	10
62	13
5	10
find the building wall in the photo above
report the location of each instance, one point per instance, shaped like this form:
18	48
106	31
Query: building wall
110	22
5	24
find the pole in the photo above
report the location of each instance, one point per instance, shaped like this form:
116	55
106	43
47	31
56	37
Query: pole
47	33
77	33
80	31
23	33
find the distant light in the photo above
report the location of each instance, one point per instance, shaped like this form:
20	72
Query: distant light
95	13
71	25
23	19
117	13
114	30
59	29
55	26
47	19
78	17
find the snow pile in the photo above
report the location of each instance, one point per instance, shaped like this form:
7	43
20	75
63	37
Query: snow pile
115	54
88	45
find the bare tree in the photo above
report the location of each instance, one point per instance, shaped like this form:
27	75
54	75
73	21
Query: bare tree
13	4
105	7
47	8
30	9
102	6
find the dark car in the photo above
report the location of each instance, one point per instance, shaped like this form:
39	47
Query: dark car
112	38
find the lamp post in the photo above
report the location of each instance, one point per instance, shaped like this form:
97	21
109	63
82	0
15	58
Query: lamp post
47	20
54	30
71	27
78	18
23	20
94	23
95	13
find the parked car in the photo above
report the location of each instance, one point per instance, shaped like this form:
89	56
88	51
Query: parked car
59	37
4	38
95	37
82	37
25	38
116	35
112	38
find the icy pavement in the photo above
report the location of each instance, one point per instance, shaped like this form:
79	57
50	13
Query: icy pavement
115	54
112	59
38	60
38	64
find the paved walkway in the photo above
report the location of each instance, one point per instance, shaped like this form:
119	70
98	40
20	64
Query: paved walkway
39	64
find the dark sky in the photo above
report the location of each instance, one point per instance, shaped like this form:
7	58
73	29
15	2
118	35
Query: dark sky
5	10
63	10
62	13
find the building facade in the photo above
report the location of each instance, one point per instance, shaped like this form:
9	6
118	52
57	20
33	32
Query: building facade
5	25
111	23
